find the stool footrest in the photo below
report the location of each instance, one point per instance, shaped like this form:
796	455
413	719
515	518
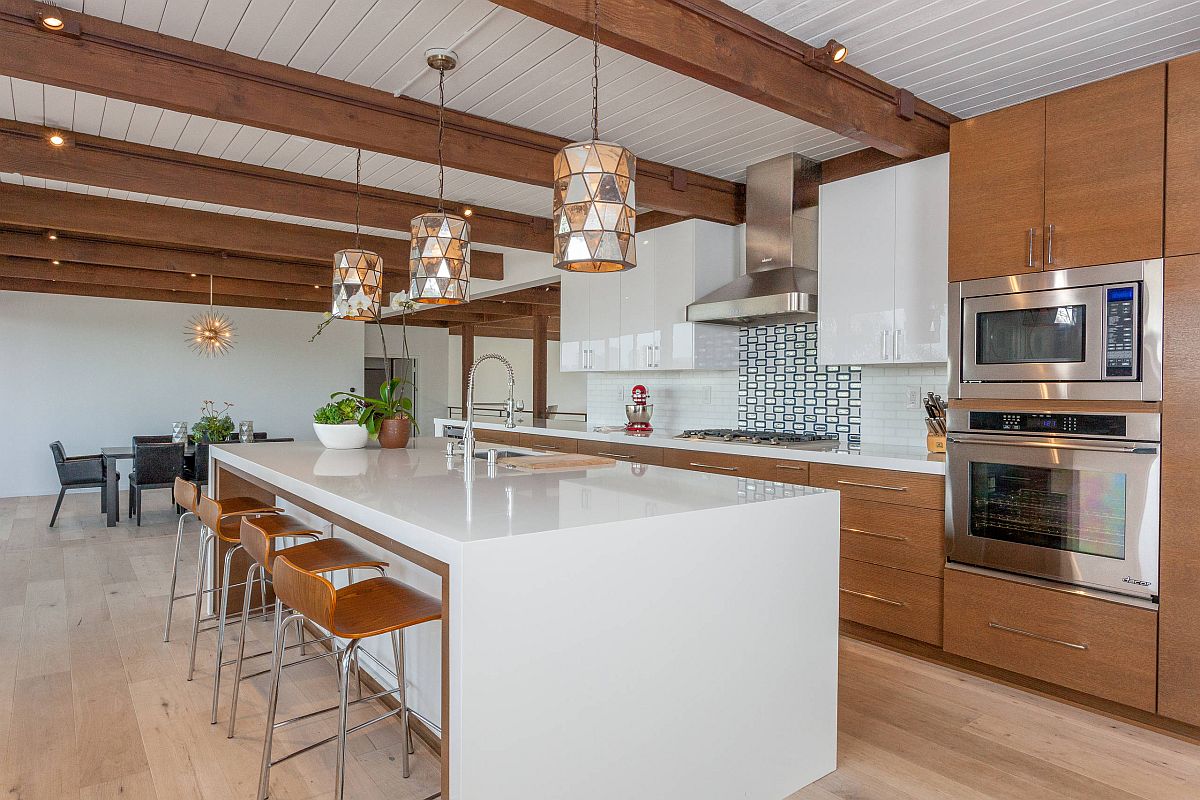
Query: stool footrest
329	739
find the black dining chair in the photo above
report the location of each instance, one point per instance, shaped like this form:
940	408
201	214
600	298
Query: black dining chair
155	466
198	474
78	472
140	440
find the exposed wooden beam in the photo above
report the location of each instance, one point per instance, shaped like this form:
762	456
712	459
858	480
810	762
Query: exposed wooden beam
67	247
124	62
467	332
159	224
36	269
857	163
721	46
547	295
540	333
649	220
160	295
132	167
497	307
552	334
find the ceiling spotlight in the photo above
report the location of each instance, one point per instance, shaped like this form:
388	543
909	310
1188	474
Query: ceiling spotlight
51	21
56	262
834	52
468	212
52	235
57	139
193	274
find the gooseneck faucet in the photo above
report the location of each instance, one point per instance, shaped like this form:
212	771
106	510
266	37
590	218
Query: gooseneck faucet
468	438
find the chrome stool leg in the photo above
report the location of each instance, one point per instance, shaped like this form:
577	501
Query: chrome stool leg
348	655
248	589
237	675
402	696
206	540
171	598
281	623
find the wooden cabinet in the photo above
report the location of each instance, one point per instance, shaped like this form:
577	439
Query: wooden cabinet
635	453
881	485
1104	170
553	444
893	600
511	438
1070	180
882	268
1183	157
996	195
903	537
1091	645
636	320
757	468
1179	586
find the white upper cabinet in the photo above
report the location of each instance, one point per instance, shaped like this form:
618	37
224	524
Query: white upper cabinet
637	320
882	266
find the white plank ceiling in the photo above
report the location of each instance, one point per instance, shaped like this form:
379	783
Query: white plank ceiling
967	56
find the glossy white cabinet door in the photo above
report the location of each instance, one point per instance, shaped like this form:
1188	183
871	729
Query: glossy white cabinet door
675	259
856	306
604	337
922	231
638	326
574	323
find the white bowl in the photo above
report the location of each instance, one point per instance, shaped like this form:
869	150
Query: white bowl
347	436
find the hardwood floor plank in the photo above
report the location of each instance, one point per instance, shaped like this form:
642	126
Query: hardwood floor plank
40	756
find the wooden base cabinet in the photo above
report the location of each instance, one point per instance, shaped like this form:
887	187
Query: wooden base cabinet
892	600
1087	644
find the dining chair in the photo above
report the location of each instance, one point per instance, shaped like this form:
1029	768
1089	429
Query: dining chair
140	440
155	466
78	472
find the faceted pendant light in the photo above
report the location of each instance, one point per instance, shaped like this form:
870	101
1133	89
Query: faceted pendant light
357	273
440	260
595	211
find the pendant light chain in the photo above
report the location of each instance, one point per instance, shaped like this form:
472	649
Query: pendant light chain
596	70
357	193
441	137
210	292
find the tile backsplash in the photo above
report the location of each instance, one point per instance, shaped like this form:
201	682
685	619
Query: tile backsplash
886	419
682	399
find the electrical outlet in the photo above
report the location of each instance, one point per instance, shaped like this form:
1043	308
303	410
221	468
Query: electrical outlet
912	397
708	395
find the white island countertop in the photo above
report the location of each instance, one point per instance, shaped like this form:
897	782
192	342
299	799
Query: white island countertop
904	459
617	631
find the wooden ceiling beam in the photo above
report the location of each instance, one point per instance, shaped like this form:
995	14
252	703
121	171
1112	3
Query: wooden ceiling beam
134	221
37	269
67	247
114	164
547	295
482	306
723	47
159	295
140	66
507	333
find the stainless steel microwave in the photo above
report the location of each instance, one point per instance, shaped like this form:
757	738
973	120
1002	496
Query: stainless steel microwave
1091	333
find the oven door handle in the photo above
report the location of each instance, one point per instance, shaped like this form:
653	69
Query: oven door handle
1138	449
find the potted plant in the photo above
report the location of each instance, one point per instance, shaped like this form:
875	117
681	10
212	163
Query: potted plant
388	417
336	425
214	426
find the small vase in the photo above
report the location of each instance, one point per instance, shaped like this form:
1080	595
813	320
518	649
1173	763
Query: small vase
394	432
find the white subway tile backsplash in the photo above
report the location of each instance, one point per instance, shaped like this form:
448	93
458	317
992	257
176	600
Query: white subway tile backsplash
885	417
692	399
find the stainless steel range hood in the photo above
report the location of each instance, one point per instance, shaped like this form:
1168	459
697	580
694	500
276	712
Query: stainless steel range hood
780	284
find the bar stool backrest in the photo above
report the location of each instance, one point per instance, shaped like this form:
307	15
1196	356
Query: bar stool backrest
209	512
306	592
256	543
186	494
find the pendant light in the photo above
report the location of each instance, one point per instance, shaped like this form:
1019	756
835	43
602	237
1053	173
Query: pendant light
357	273
440	260
210	334
595	216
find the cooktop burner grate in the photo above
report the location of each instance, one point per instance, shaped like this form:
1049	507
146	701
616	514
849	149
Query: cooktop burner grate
782	438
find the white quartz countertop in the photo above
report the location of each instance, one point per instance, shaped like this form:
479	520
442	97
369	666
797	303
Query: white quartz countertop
420	489
906	459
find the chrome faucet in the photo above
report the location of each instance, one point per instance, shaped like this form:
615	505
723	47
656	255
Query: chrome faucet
468	437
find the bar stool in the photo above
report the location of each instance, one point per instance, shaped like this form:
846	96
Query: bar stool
373	607
259	539
219	520
187	497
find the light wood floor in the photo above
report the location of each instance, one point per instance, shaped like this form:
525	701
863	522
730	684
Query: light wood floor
94	706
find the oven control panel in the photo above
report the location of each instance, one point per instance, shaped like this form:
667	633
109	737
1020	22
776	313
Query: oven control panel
1121	332
1108	425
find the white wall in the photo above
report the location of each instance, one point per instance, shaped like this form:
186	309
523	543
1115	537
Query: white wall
567	390
95	371
431	348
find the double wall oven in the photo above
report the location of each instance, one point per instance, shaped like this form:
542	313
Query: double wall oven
1070	496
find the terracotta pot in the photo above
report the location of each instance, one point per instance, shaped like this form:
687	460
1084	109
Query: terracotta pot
394	432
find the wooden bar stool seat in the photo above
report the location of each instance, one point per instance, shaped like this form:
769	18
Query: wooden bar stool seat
187	497
355	612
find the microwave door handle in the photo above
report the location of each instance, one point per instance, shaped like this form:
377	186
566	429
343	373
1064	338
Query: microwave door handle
1145	449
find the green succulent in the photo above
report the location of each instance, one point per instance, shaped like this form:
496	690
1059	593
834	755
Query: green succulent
330	414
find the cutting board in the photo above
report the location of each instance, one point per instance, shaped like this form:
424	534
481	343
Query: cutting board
566	461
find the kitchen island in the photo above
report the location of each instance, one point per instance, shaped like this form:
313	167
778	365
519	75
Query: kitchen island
617	631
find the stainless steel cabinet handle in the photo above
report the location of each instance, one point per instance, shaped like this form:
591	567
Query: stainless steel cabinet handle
1030	262
545	447
657	355
887	536
792	467
1049	244
883	345
874	486
896	340
614	455
712	466
1038	636
876	598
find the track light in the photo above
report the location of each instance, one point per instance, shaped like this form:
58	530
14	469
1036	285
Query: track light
52	235
55	262
49	18
57	139
834	52
466	212
51	21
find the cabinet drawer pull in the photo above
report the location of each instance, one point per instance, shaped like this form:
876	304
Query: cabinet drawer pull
876	598
793	467
712	466
874	486
887	536
545	447
1038	636
613	455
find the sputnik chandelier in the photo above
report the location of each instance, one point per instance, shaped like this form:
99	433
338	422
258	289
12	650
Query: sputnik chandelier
210	334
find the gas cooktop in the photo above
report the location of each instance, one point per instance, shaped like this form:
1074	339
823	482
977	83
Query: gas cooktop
819	441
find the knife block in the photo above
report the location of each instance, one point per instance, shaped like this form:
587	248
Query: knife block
936	444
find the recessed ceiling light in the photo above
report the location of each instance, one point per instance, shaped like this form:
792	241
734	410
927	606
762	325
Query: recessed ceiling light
57	139
51	21
56	262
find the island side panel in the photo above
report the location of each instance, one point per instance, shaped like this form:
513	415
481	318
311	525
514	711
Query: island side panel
692	655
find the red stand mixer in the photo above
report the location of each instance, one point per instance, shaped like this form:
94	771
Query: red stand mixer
638	412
